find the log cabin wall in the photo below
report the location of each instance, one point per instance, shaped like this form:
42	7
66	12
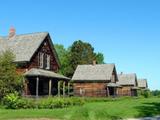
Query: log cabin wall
125	91
90	89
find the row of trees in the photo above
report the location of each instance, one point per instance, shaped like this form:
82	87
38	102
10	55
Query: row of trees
78	53
156	93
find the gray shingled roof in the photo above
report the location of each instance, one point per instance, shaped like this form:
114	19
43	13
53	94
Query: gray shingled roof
23	46
142	83
127	79
40	72
93	72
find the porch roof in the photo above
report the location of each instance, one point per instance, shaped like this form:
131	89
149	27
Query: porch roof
135	88
34	72
113	85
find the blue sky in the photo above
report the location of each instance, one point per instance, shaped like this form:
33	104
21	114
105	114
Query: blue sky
127	32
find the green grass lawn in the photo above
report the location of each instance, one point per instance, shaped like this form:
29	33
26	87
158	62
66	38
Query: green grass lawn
124	108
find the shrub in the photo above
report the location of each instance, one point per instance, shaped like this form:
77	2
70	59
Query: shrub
13	101
54	102
145	93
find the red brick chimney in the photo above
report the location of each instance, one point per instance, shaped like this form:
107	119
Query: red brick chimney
12	32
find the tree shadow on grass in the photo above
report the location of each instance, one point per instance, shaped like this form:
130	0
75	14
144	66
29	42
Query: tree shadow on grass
149	109
116	118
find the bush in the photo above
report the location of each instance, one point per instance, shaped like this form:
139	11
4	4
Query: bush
145	93
54	102
13	101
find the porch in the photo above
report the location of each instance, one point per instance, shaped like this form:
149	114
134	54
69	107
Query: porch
39	82
134	91
112	89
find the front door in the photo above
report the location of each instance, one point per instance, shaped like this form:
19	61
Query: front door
112	91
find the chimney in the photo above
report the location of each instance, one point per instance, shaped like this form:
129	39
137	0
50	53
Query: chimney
12	32
94	62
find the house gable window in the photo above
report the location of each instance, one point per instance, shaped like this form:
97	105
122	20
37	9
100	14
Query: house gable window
41	60
44	61
48	62
113	78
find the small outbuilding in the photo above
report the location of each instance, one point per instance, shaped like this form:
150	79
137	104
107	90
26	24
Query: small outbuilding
128	83
142	84
97	80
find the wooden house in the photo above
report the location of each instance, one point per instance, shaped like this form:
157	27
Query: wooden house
142	84
97	80
36	59
128	83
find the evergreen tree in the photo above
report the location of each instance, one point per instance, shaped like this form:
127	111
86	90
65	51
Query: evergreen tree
10	81
78	53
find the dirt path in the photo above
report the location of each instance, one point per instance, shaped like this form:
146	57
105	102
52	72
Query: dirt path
146	118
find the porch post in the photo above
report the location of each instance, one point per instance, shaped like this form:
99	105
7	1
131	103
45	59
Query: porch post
108	92
63	88
25	87
68	88
115	92
50	87
37	86
59	88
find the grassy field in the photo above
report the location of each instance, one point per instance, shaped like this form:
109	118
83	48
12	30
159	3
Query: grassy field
111	110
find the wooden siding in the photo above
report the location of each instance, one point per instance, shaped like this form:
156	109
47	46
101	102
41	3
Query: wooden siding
93	88
124	91
90	89
127	91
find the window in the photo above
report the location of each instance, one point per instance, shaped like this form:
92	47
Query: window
113	78
81	91
44	60
48	62
41	60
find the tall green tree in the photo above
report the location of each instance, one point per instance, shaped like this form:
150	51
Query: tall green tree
99	58
63	55
81	53
10	81
77	54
